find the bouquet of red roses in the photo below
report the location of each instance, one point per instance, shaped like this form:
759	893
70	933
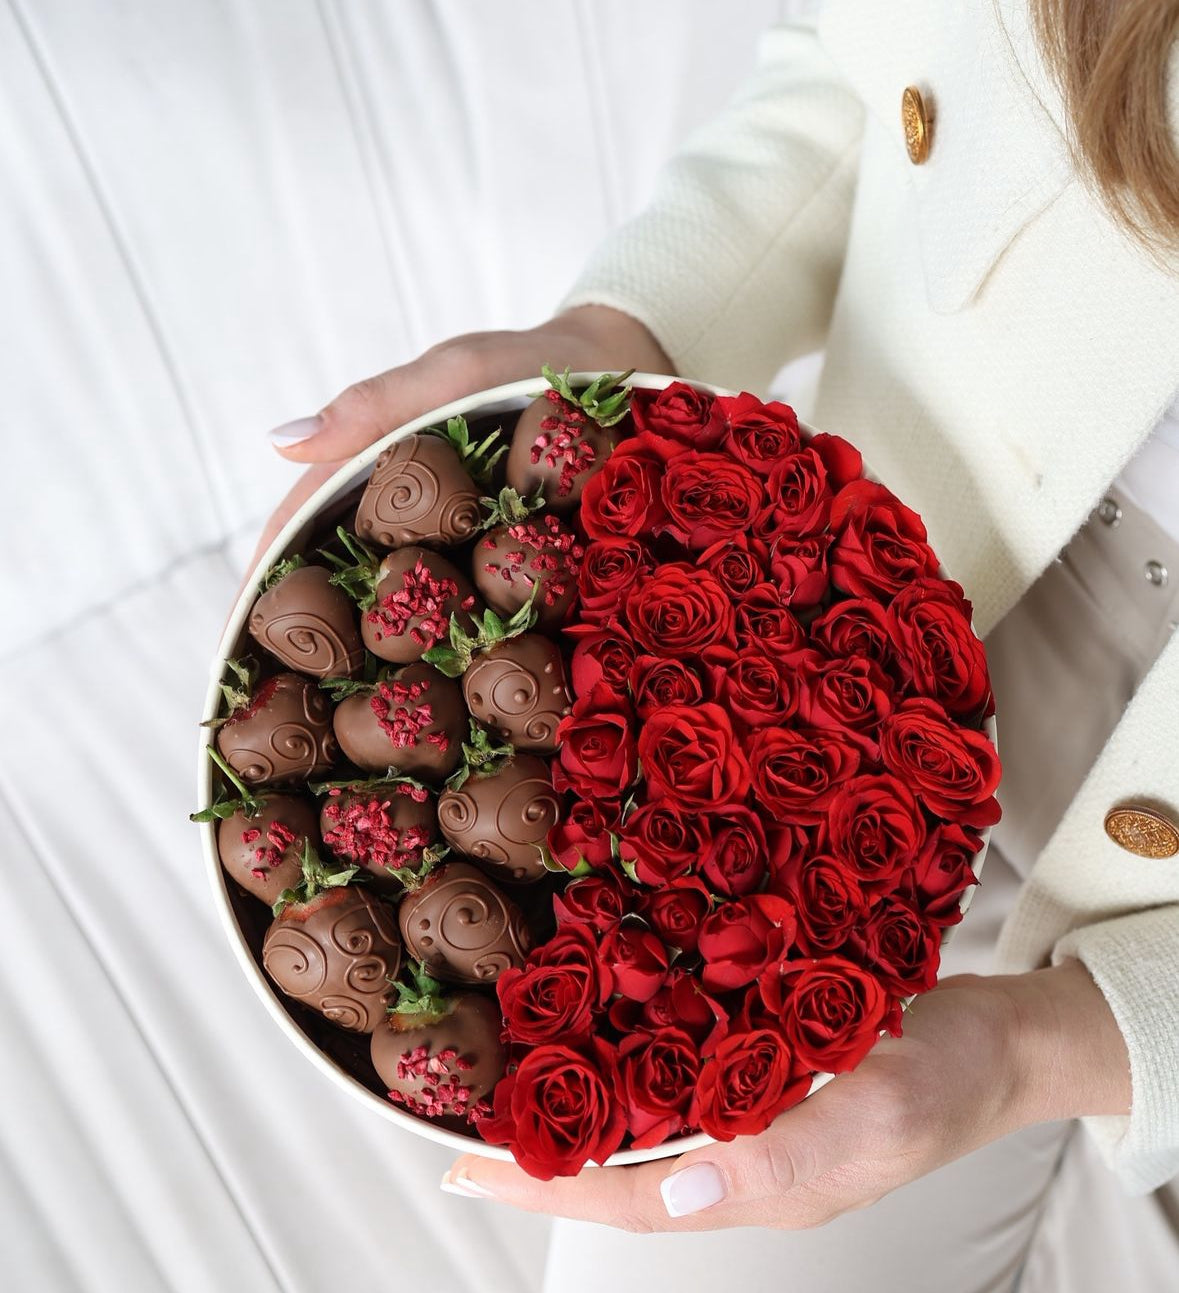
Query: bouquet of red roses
775	778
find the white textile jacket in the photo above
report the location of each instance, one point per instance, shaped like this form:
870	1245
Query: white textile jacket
997	346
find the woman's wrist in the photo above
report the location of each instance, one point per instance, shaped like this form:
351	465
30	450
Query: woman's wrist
615	339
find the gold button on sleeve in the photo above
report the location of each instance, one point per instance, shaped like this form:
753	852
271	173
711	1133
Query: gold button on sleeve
917	120
1142	831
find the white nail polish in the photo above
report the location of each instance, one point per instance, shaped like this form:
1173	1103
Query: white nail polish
465	1186
293	432
692	1189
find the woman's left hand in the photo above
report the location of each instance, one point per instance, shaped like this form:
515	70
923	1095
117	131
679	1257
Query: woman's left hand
966	1072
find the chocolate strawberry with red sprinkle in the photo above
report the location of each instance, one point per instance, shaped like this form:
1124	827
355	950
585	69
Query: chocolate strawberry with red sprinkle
384	826
537	559
439	1053
564	437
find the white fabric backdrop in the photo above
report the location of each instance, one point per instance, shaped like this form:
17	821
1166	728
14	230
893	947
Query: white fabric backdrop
212	216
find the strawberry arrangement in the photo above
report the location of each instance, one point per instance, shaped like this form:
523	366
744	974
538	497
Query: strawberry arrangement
617	777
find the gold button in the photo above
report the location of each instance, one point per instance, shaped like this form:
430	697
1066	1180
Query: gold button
1142	831
917	119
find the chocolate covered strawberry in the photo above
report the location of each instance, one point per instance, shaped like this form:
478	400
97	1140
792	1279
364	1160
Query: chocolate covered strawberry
384	827
462	926
412	722
423	489
564	437
334	946
439	1053
303	620
535	560
518	688
277	730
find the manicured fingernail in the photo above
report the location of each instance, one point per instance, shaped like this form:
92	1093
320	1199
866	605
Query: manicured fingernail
465	1186
294	432
693	1188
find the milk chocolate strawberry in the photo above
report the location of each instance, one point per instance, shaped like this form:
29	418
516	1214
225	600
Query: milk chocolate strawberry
384	827
423	489
534	560
278	730
334	947
439	1053
518	688
462	926
306	622
413	722
563	438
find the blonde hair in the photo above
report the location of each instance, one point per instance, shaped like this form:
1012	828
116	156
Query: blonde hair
1111	60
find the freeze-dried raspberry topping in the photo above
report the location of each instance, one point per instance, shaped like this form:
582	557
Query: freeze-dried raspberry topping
423	598
267	856
561	442
363	832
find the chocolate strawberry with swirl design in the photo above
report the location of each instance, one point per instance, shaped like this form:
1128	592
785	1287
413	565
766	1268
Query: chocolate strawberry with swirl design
518	688
306	622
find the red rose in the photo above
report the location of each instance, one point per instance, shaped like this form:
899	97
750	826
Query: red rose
761	435
828	899
681	413
800	497
656	683
735	861
679	610
797	772
558	1110
857	627
708	497
596	901
831	1011
880	544
597	754
764	620
748	1082
638	960
740	938
680	1003
800	567
608	569
690	755
580	836
854	696
757	687
622	500
604	654
663	841
657	1085
901	947
676	910
940	654
945	867
843	461
737	563
953	771
558	992
875	828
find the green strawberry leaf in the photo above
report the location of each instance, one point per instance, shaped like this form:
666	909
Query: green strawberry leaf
606	399
224	806
424	996
509	508
478	459
359	577
318	875
280	570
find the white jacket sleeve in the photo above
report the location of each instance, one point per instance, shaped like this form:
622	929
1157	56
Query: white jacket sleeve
734	265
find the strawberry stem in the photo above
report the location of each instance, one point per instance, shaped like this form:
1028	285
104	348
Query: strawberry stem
280	570
358	578
606	399
425	996
317	876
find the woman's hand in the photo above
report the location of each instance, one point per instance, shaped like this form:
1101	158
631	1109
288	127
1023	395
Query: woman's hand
591	337
980	1057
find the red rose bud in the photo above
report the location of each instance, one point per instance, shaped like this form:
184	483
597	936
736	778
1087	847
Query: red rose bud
597	754
801	571
857	627
735	861
798	771
737	562
944	869
953	771
558	992
680	1003
876	829
760	689
708	497
832	1011
799	497
854	696
656	683
940	654
657	1076
678	412
604	654
760	435
690	756
741	938
843	461
596	901
622	500
558	1109
829	901
880	544
663	841
679	610
608	568
675	912
638	960
748	1082
581	836
765	623
901	947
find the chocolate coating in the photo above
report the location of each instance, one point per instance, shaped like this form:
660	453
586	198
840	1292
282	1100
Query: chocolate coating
336	954
258	857
419	492
502	819
414	605
309	624
415	723
519	690
510	559
378	830
408	1051
462	926
284	735
558	459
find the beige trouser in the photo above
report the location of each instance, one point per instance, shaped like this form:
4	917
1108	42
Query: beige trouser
1036	1212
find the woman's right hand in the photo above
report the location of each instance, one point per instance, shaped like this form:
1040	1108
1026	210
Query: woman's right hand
591	337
